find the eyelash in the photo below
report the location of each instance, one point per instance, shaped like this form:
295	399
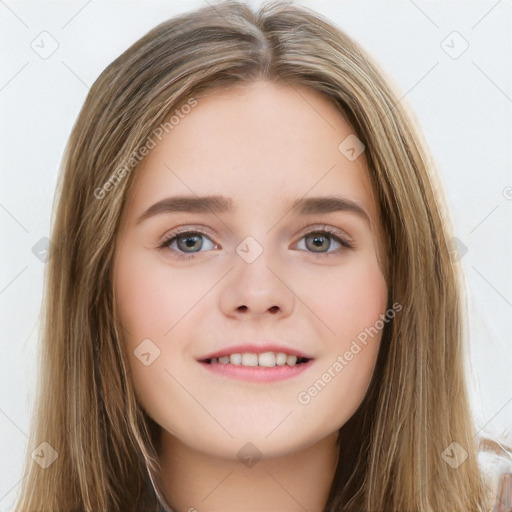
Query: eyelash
345	244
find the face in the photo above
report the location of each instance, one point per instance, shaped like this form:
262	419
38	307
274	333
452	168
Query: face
252	269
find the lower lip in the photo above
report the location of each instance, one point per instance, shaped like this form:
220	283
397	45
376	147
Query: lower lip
257	373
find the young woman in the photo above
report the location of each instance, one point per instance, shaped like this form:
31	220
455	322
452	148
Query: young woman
251	303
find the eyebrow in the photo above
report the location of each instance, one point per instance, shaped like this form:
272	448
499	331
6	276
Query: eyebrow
221	204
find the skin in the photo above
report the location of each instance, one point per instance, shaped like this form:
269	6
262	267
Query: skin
260	144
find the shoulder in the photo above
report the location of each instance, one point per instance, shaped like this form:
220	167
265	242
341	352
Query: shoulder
495	461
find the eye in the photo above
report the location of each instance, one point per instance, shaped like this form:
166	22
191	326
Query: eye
320	240
186	242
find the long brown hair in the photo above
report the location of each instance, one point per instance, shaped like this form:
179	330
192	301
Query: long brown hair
391	450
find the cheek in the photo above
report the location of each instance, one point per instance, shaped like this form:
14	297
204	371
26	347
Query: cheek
152	305
360	300
357	299
348	299
158	304
150	299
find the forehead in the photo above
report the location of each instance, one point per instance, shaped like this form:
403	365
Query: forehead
263	144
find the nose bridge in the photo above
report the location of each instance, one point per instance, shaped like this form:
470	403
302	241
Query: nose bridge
250	249
257	262
255	285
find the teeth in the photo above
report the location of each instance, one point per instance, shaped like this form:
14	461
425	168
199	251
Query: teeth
280	359
249	359
266	359
291	360
235	358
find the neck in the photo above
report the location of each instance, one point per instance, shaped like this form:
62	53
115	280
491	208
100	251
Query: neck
195	482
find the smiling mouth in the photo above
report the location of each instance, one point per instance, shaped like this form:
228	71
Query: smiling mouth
247	367
263	360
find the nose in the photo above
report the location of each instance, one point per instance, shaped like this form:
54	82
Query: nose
256	289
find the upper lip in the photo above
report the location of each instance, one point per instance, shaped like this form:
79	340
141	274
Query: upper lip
255	348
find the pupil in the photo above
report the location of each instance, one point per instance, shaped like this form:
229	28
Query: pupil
318	241
189	242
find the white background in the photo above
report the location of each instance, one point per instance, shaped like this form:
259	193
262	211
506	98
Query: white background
463	105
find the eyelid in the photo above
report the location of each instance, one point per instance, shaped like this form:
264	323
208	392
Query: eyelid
308	227
188	228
